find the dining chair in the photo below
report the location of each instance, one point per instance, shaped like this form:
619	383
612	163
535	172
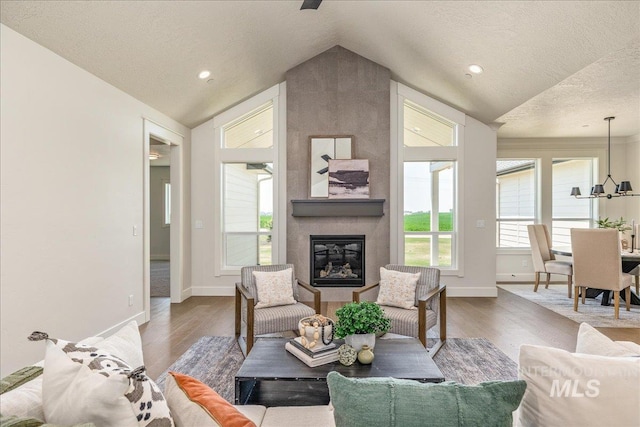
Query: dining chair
597	264
428	306
252	320
543	259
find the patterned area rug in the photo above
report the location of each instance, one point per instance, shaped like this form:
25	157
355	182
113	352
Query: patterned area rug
598	316
159	278
215	361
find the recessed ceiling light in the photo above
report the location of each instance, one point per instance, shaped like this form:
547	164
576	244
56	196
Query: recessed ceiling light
204	74
416	129
154	156
475	69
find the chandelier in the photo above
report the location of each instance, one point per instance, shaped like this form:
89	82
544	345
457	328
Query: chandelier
621	190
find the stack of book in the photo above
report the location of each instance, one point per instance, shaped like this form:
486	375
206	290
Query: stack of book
315	356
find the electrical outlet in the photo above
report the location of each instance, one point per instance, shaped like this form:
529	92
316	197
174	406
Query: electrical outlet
130	300
525	263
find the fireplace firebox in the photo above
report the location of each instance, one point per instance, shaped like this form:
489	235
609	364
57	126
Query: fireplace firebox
337	260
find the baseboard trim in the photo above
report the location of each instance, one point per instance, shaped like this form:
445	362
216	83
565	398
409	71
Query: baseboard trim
484	291
139	318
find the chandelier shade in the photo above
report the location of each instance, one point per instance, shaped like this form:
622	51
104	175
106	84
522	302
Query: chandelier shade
597	191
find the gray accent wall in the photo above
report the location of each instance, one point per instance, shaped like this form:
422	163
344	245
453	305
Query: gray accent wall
338	93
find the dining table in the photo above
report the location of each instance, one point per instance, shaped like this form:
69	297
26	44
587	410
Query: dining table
630	260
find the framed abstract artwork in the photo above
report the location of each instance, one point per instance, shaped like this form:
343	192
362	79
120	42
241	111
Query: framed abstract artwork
322	150
349	179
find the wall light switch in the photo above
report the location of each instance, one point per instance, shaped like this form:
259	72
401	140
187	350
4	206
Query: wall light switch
130	300
199	224
135	230
480	223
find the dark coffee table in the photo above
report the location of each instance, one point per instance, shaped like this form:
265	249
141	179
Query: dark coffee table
271	376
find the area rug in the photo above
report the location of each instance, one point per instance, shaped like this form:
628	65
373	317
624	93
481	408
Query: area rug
215	361
591	312
159	278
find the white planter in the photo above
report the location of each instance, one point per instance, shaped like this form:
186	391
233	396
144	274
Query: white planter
358	340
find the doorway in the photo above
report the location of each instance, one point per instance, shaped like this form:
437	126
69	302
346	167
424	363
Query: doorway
159	218
161	143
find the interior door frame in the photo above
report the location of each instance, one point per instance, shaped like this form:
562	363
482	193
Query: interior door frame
176	232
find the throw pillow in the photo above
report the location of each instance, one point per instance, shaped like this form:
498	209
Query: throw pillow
592	341
193	403
398	289
274	288
571	389
85	384
125	343
389	402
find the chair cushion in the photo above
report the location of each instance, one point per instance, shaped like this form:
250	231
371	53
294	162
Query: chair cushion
405	322
559	267
274	288
390	402
279	319
429	278
397	289
249	282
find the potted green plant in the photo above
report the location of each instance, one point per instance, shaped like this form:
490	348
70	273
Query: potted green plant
618	224
359	322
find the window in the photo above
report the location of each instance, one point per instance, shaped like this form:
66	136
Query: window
516	191
428	209
167	203
253	130
247	183
429	213
569	212
422	128
248	213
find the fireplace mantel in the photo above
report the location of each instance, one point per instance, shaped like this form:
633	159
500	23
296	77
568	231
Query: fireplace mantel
338	207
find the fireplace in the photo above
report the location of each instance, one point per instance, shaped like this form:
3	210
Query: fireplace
337	260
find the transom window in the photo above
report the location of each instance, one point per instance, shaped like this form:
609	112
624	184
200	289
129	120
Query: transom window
422	128
253	130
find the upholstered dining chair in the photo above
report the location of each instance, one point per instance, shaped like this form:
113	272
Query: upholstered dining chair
429	308
252	319
596	264
543	259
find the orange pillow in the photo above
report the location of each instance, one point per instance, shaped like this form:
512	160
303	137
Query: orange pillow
218	408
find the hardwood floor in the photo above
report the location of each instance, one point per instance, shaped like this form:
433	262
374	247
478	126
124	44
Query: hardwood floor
508	321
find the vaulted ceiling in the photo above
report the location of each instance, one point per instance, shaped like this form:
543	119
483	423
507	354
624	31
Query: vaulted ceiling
551	69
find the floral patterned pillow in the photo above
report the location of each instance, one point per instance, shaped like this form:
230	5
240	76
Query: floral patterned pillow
398	289
274	288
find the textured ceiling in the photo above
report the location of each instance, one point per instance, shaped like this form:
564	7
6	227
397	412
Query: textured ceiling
550	67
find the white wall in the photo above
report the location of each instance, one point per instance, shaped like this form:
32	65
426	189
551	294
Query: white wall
632	174
160	247
479	199
72	190
510	263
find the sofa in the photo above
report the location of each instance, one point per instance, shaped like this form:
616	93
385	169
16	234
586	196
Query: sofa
598	383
